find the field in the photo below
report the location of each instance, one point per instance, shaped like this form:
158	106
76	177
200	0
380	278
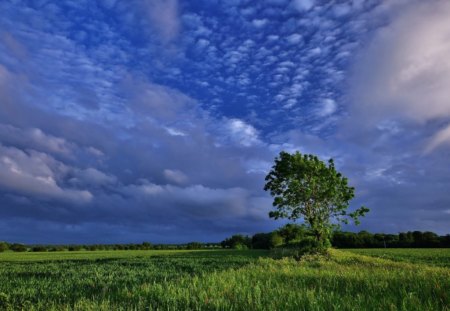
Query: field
225	280
439	257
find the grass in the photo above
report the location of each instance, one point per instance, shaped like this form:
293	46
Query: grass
431	256
220	280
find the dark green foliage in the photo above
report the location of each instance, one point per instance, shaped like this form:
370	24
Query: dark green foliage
16	247
364	239
267	240
146	246
74	248
3	246
261	241
194	245
4	301
237	241
39	248
293	233
306	188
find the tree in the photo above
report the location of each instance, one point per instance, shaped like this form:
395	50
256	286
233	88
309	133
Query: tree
194	245
16	247
3	246
306	188
237	241
292	233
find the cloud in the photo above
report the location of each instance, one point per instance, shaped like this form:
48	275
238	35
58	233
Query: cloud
36	174
239	132
164	16
303	5
294	38
171	144
14	47
440	138
327	107
258	23
404	73
175	176
35	138
92	177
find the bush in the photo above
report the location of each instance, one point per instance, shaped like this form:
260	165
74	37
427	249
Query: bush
3	246
194	245
240	246
39	249
236	240
74	248
306	247
18	247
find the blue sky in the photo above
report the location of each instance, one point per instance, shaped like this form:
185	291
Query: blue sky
125	121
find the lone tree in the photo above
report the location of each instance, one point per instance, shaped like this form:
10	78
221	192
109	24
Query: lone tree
305	187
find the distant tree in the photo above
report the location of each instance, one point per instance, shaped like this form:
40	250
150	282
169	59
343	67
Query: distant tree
261	241
3	246
430	239
74	248
194	245
16	247
445	240
39	248
276	240
92	247
292	233
306	188
146	246
237	241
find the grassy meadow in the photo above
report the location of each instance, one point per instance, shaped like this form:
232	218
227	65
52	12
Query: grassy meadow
375	279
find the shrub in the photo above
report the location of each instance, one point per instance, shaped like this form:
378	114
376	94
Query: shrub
240	246
39	248
3	246
18	247
306	247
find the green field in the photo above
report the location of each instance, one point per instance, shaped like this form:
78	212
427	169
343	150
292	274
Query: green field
224	280
439	257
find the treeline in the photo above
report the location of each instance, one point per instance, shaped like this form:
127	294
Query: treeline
287	236
364	239
295	235
17	247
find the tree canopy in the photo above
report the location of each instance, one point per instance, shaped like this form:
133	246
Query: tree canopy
305	187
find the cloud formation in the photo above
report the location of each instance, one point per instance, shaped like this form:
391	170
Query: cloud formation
158	120
404	73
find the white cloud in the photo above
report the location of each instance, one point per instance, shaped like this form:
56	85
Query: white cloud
175	176
241	133
258	23
165	18
197	201
303	5
202	43
273	37
174	132
327	107
35	138
405	72
36	174
92	176
440	138
294	38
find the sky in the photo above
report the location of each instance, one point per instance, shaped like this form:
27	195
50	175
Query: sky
157	120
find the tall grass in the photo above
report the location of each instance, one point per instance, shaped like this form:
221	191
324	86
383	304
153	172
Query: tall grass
431	256
221	280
